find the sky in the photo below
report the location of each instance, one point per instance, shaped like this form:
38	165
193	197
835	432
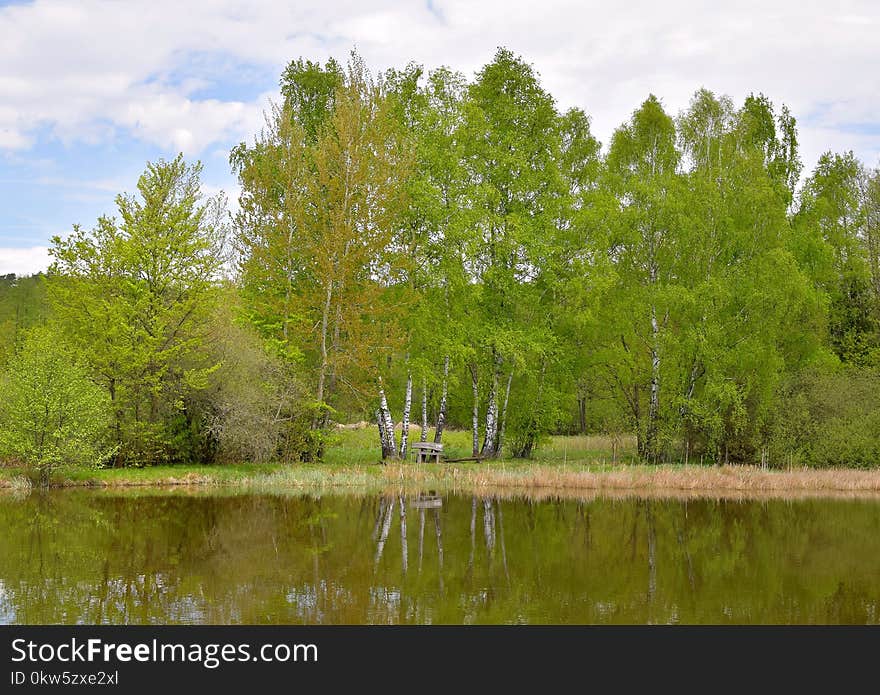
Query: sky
91	90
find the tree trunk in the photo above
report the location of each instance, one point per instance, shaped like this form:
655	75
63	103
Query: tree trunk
441	414
331	378
504	413
475	419
490	442
526	443
424	435
383	439
404	430
582	415
692	384
637	419
389	448
654	402
322	374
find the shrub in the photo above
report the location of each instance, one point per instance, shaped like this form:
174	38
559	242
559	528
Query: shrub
51	414
829	417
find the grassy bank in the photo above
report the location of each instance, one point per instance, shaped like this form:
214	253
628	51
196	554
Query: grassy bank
566	466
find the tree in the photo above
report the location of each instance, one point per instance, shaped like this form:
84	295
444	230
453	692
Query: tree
320	268
23	305
642	170
52	414
430	229
511	141
135	296
834	247
707	307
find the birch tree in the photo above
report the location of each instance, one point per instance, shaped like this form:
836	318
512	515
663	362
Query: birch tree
643	173
321	197
511	140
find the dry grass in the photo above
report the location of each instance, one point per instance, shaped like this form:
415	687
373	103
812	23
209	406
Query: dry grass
566	466
660	481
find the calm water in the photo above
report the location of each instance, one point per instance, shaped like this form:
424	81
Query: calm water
92	557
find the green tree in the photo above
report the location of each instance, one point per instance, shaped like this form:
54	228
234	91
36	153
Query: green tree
51	414
834	248
642	171
707	308
23	304
135	298
511	145
317	231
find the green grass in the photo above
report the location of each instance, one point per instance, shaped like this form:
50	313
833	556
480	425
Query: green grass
573	465
350	453
361	446
351	459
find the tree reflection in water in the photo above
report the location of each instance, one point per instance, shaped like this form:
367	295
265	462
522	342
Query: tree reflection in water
212	557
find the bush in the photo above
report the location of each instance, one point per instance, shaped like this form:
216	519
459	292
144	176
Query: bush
829	417
52	414
253	408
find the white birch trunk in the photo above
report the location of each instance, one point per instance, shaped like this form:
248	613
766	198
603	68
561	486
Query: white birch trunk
654	403
390	448
424	434
692	383
322	374
441	415
407	404
491	439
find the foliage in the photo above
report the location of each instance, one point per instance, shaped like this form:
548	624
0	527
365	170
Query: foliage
22	306
254	407
828	417
134	296
51	414
322	190
463	252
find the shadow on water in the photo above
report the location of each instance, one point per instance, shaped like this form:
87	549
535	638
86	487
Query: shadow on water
75	556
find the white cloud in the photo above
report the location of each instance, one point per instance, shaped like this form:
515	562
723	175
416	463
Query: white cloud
26	261
83	67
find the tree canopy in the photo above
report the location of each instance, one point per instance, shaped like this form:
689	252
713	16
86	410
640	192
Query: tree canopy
418	246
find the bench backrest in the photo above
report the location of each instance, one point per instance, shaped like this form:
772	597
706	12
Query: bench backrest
427	446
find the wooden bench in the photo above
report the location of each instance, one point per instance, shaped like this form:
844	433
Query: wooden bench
424	451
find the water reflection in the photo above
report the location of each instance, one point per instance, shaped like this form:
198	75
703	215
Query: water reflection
92	557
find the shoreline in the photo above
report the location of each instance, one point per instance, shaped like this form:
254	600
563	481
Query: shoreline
496	479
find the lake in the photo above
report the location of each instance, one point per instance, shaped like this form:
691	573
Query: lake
209	556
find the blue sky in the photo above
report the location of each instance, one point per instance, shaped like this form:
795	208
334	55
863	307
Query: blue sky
92	90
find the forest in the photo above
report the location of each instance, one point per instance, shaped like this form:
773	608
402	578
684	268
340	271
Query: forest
422	251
